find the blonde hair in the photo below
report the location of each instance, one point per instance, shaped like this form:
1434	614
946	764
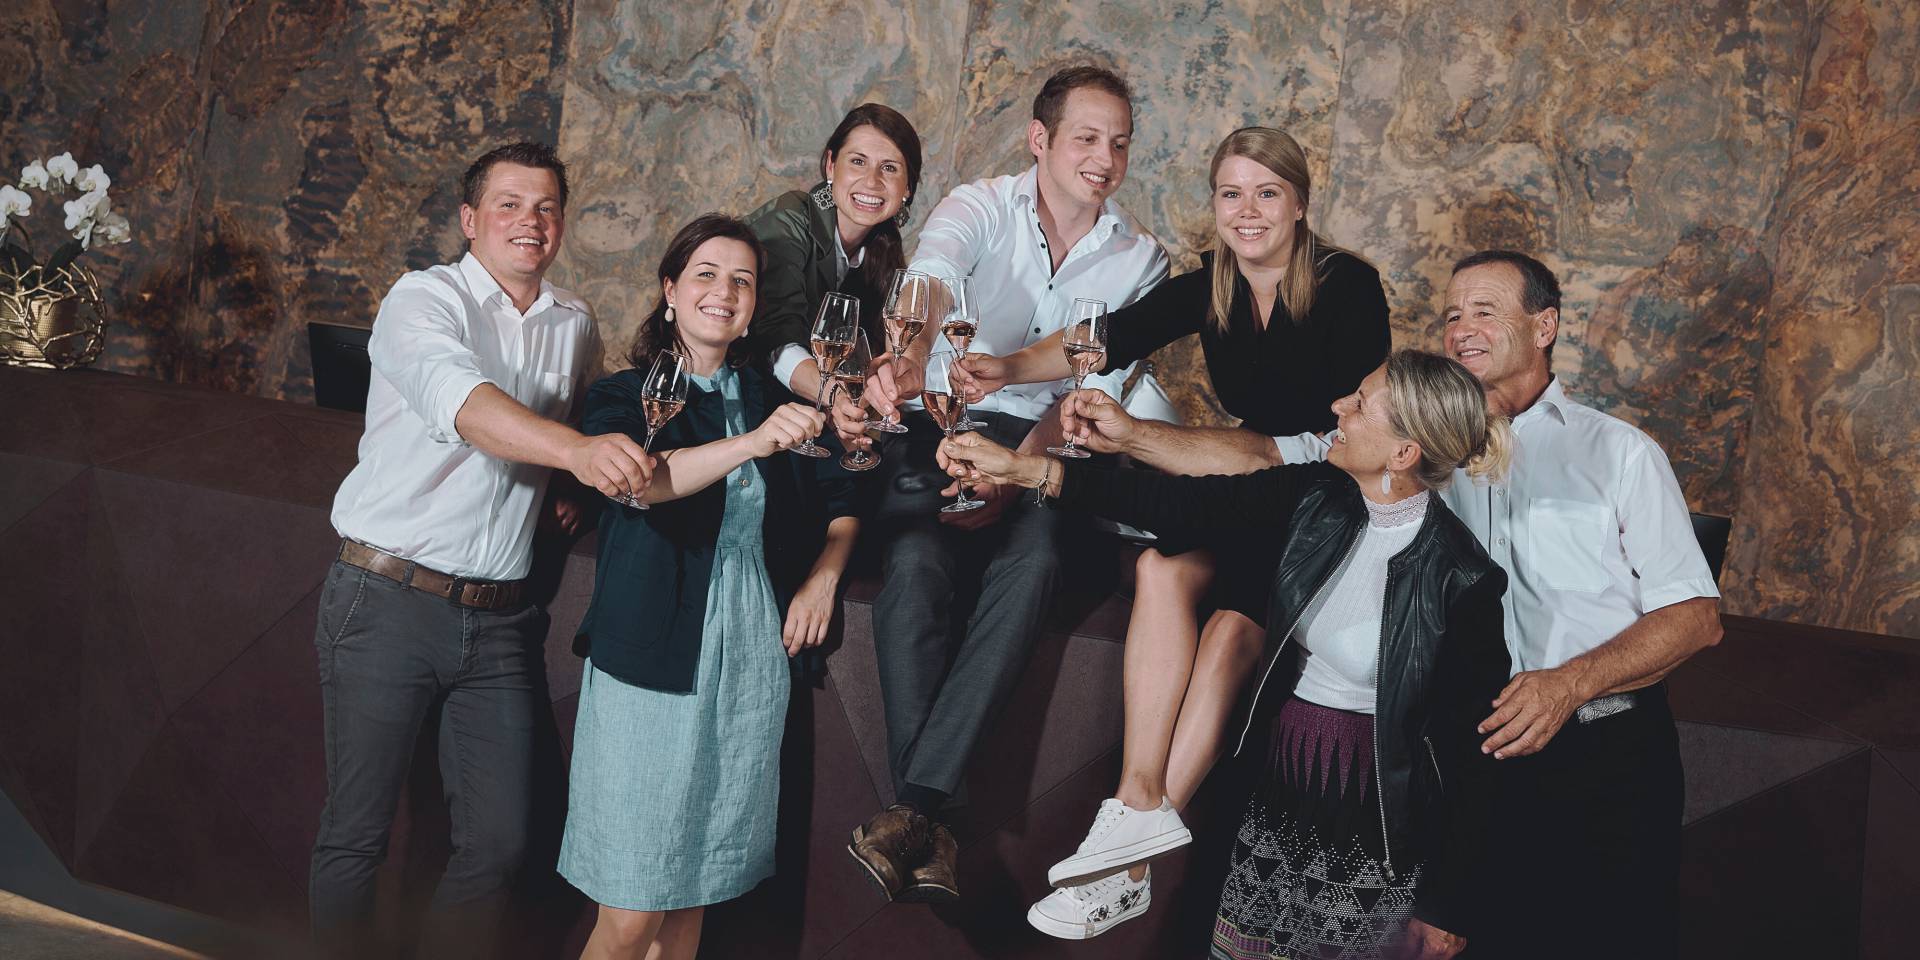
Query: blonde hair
1278	152
1438	404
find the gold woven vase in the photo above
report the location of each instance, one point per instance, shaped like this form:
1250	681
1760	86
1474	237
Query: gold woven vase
50	319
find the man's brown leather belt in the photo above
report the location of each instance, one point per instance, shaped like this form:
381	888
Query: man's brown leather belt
479	594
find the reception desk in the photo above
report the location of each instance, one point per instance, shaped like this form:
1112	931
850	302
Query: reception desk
162	554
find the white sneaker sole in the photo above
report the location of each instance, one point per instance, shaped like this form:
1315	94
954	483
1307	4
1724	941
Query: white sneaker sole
1083	931
1074	871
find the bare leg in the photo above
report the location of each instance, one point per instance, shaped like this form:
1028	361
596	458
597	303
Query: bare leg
1229	650
623	934
679	937
1162	637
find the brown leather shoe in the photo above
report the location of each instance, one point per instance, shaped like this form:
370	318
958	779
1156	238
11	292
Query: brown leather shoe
889	846
938	879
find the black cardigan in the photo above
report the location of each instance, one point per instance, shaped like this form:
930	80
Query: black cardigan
649	604
1279	381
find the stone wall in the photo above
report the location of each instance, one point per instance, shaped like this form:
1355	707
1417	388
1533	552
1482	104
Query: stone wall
1726	189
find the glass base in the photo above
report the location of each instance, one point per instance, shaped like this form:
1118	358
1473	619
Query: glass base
1071	453
886	426
969	425
811	449
962	505
627	501
859	461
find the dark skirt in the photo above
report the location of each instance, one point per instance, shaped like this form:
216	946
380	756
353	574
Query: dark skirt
1306	880
1243	569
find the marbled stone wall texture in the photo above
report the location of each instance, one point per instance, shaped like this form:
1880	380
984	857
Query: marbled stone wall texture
1727	189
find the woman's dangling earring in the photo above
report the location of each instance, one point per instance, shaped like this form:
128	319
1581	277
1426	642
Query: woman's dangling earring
906	209
823	195
669	313
1386	483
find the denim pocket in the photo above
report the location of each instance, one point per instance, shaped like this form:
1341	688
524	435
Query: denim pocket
339	601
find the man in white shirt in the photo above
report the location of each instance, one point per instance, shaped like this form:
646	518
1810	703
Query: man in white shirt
1033	243
474	364
1609	592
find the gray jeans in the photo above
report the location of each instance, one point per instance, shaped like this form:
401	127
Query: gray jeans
941	688
388	655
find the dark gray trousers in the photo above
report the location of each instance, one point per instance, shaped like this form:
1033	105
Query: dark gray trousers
941	687
389	654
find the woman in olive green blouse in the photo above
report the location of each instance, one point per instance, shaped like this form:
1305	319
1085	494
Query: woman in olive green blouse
842	235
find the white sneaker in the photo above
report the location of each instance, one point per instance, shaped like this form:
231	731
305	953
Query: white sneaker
1084	912
1121	837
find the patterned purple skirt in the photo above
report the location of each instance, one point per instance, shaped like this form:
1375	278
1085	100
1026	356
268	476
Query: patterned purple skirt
1306	880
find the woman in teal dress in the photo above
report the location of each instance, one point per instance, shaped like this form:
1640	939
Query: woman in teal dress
675	774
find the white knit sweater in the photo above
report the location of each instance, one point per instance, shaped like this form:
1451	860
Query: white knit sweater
1339	635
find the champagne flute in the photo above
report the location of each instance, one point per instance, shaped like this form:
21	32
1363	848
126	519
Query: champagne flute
904	314
851	375
833	329
963	320
1086	345
663	394
943	405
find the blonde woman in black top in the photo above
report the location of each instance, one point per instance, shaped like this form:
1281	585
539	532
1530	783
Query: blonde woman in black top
1288	323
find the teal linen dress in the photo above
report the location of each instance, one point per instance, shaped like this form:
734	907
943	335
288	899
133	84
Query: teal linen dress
673	797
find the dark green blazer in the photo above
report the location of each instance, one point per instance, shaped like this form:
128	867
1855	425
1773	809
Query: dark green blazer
799	274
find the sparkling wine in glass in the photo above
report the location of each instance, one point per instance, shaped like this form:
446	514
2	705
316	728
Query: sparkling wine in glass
909	299
851	376
944	404
663	394
1085	342
833	329
963	320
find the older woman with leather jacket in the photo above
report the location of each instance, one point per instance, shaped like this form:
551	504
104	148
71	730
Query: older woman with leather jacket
1384	647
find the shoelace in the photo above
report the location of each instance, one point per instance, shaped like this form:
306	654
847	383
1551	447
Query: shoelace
1091	892
1111	812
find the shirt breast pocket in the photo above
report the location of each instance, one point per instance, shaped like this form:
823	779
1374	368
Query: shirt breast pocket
554	398
1567	540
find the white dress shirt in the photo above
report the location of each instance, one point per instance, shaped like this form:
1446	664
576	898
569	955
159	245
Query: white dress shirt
420	491
990	230
1589	524
788	357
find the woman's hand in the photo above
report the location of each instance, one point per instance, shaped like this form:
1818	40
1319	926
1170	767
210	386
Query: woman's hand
980	374
787	426
1426	942
967	455
810	613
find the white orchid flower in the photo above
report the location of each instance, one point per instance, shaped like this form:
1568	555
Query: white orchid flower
34	176
93	178
114	228
85	210
15	203
83	233
63	167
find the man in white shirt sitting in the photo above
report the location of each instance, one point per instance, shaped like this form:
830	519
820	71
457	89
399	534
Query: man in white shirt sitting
474	364
1609	592
1033	243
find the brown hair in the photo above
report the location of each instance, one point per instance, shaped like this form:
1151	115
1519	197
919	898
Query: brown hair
1278	152
1051	101
656	334
526	153
886	251
1436	403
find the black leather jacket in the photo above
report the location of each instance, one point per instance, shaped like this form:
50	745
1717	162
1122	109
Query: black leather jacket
1442	658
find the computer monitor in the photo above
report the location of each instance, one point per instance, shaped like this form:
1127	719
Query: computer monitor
342	370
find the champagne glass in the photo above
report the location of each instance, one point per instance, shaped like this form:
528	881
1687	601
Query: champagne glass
963	319
833	330
905	314
943	405
1086	346
851	375
663	394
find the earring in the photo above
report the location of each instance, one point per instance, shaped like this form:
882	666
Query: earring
1386	483
823	195
669	313
906	209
